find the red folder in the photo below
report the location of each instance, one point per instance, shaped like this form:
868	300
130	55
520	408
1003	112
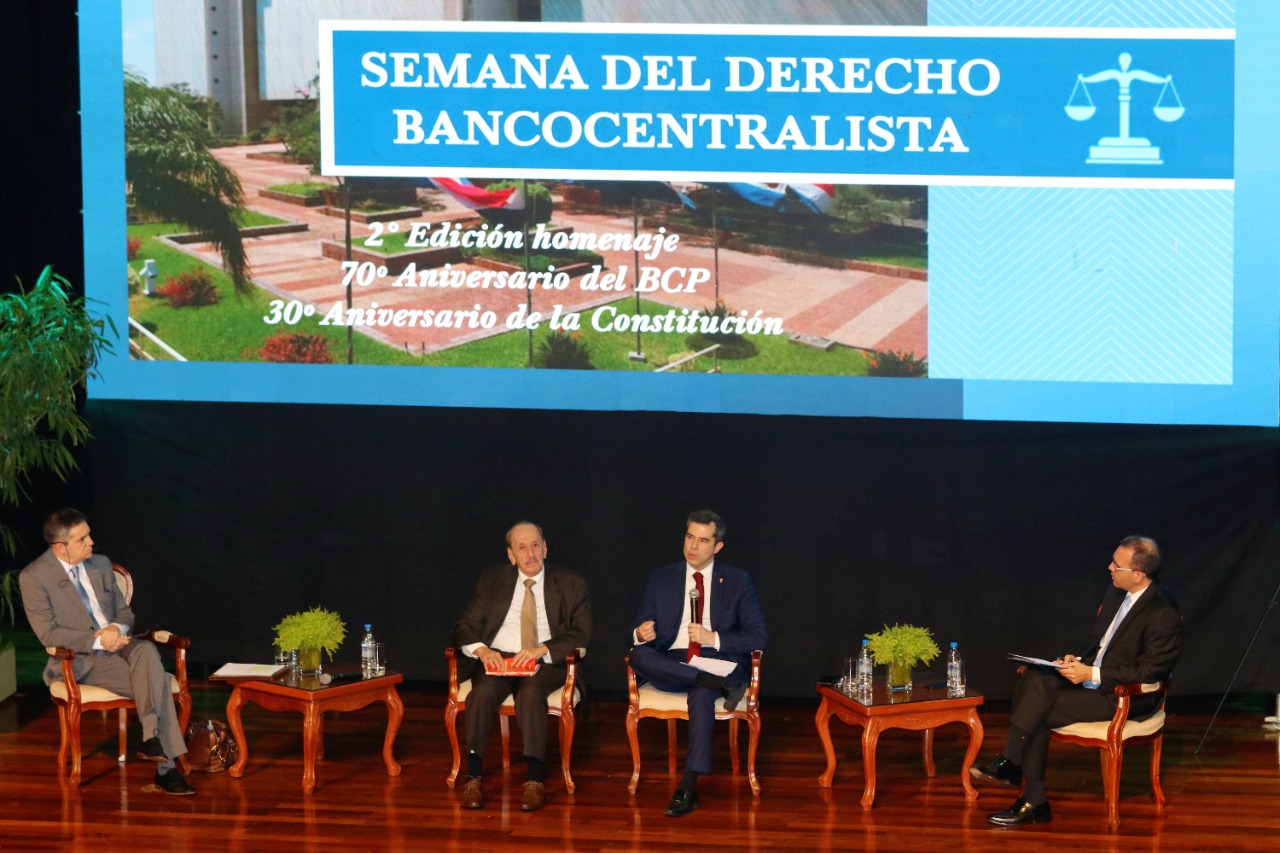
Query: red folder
506	667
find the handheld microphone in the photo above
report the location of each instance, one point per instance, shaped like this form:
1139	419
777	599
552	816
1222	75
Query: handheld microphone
695	618
330	677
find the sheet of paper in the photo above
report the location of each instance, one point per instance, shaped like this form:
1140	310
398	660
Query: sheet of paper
715	666
1036	661
248	670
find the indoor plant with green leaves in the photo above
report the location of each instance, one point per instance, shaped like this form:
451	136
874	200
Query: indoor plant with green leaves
49	346
309	632
9	604
901	648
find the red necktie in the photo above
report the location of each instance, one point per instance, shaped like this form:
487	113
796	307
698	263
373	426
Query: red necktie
695	618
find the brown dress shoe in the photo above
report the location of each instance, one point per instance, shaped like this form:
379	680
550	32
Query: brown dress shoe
534	796
472	793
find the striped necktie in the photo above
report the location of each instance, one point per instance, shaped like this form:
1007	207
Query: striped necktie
77	571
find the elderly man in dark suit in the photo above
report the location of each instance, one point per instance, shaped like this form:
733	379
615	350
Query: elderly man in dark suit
728	626
1136	637
72	599
528	612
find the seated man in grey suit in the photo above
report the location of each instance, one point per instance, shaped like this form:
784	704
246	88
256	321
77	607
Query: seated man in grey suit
71	598
527	611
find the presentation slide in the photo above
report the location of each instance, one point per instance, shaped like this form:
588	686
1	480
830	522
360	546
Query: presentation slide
1052	211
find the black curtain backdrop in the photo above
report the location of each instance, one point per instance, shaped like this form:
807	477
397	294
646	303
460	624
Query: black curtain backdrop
994	535
997	536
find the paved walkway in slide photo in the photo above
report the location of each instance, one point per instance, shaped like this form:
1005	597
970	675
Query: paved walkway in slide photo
856	308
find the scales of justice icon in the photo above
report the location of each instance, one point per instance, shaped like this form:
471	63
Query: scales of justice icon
1124	149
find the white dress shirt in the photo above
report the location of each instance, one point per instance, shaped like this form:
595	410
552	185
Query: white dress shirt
682	635
1095	680
508	636
78	576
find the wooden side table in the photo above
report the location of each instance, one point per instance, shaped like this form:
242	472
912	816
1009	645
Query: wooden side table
922	709
311	698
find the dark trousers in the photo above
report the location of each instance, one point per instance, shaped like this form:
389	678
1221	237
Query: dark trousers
1044	700
489	692
667	671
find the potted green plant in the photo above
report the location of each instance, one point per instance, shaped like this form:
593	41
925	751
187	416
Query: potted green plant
900	648
9	603
49	345
309	632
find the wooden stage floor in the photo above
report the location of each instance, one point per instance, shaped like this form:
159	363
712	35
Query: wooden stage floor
1227	798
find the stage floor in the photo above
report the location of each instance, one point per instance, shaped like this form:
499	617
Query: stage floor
1223	799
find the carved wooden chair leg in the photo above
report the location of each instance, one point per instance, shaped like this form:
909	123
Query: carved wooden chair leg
671	747
451	726
567	725
1157	791
1113	789
73	725
505	727
632	722
62	742
753	746
124	734
734	763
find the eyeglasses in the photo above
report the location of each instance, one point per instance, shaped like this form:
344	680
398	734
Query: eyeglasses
1116	568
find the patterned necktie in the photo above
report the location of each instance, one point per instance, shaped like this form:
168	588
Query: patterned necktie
695	618
529	617
84	595
1106	641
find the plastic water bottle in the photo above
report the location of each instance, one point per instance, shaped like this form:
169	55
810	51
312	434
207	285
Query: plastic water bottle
863	684
367	664
955	672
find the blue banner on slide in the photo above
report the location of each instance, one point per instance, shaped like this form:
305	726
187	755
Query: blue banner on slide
904	104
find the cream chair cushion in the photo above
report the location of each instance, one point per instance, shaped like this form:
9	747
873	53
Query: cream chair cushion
553	698
1132	728
90	693
653	699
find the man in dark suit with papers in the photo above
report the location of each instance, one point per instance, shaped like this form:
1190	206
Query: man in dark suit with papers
72	599
527	614
698	608
1136	637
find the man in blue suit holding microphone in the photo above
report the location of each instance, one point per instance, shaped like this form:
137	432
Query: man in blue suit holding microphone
698	608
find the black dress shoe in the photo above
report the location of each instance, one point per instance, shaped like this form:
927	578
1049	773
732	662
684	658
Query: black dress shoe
151	750
733	695
1021	812
682	804
1002	771
173	783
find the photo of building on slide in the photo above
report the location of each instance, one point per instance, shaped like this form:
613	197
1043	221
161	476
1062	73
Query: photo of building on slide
239	250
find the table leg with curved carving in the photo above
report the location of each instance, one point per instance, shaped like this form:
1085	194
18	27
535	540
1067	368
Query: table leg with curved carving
927	748
971	754
395	713
870	737
237	731
310	743
823	723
